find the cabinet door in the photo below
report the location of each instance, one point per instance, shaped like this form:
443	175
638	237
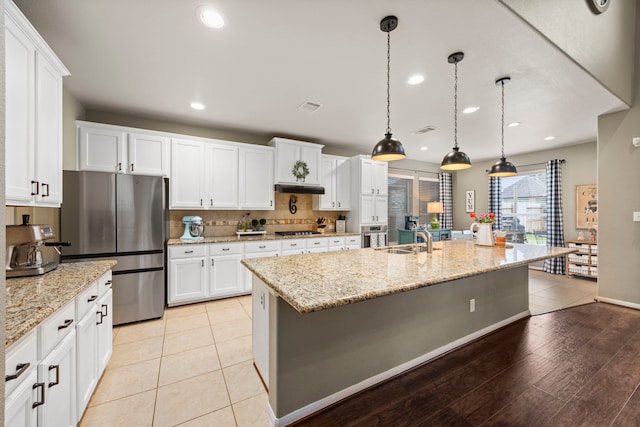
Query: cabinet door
148	155
19	115
381	212
260	336
343	184
312	156
48	145
287	154
187	172
19	410
256	179
221	176
186	280
104	322
327	179
367	211
87	363
58	372
101	150
225	277
367	180
381	182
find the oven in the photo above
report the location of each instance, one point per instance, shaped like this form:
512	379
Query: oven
374	236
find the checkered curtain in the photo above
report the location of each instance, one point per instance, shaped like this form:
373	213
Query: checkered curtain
495	200
555	234
446	197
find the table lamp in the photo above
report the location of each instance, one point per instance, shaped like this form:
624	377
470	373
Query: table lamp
435	208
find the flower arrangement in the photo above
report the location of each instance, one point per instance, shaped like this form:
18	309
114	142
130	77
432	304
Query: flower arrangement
483	218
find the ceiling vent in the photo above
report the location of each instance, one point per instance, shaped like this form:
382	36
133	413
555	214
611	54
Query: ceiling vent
309	106
424	130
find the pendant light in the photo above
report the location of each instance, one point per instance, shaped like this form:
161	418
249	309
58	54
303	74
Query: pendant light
456	159
388	148
502	167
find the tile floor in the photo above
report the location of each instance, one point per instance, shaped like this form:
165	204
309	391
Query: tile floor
194	367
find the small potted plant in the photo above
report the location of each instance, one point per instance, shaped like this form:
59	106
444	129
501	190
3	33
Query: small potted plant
262	223
254	224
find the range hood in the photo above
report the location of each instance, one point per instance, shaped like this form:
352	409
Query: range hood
299	189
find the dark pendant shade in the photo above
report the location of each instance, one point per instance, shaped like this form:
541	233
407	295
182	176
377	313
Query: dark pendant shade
455	160
388	149
503	168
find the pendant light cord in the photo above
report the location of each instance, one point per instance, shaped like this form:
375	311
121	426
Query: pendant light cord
502	84
455	106
388	82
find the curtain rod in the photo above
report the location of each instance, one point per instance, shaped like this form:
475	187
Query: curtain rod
562	161
412	170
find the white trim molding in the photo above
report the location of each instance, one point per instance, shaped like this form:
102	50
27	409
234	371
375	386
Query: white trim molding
618	302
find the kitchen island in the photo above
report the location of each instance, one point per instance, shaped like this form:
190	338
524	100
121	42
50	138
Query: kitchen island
328	325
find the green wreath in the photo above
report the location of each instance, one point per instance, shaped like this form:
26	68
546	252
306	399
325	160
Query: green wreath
300	170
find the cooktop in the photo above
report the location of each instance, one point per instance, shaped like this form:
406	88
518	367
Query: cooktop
296	233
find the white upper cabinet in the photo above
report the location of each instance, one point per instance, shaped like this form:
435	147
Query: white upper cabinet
256	178
288	153
336	180
369	192
203	175
373	177
106	148
33	120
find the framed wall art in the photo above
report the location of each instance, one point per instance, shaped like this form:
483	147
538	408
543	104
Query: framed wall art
586	205
470	201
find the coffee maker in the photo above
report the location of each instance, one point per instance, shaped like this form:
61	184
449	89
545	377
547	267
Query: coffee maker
24	256
411	222
193	228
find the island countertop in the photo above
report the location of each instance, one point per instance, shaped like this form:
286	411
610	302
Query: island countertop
313	282
30	300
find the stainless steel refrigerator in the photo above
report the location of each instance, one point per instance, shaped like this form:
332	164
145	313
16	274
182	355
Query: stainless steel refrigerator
121	217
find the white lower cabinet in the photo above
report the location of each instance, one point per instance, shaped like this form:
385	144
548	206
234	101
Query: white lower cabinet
260	321
225	273
57	373
87	350
19	410
104	321
186	274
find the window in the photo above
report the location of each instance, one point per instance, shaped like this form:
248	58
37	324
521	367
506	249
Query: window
400	203
429	191
524	206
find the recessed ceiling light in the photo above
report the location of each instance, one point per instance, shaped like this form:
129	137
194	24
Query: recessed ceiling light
197	105
513	124
210	17
424	148
549	138
415	79
470	110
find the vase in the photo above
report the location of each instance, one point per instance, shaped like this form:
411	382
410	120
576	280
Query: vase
482	233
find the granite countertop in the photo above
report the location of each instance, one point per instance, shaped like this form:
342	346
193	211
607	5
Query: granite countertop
30	300
250	238
313	282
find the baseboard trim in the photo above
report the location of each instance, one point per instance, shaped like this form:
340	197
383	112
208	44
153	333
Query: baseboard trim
618	302
369	382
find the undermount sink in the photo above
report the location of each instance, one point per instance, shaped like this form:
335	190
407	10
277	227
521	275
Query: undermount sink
406	250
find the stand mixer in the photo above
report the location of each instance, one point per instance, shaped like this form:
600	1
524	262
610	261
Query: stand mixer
193	228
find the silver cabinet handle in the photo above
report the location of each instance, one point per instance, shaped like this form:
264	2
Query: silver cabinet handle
20	369
131	167
338	204
261	247
212	262
38	403
202	262
271	203
293	244
188	252
372	191
378	191
201	202
316	243
57	369
376	217
37	183
226	249
333	204
120	166
211	202
66	324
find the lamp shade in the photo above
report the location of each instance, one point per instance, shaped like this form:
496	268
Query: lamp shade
388	149
455	160
503	168
435	207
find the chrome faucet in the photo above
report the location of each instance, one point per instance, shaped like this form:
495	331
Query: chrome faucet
427	237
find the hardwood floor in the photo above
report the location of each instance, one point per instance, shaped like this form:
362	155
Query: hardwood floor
578	366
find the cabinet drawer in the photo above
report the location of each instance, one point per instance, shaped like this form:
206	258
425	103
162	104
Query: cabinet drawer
352	240
104	283
293	244
317	242
187	251
336	241
86	299
21	359
55	328
262	246
225	249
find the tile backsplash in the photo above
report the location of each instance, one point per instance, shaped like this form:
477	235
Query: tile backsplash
224	222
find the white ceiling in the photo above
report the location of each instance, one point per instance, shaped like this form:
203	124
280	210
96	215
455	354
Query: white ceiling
153	57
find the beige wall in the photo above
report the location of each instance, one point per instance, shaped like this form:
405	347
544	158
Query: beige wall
3	236
602	44
619	196
580	168
71	111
